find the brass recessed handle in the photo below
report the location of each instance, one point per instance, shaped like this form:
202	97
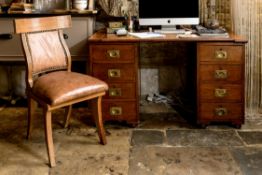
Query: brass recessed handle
113	53
114	73
221	111
115	110
220	93
221	74
221	54
115	92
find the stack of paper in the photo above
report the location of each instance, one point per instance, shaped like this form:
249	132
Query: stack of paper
146	35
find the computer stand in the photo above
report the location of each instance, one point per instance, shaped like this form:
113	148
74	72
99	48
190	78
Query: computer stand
170	29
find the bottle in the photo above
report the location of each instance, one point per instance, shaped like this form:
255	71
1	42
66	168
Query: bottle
91	5
38	5
126	21
136	26
67	5
130	24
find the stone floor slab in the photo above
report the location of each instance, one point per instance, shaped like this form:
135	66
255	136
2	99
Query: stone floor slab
93	164
147	137
154	160
202	137
251	137
249	159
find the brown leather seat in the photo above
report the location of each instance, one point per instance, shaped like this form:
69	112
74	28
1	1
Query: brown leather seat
58	87
50	81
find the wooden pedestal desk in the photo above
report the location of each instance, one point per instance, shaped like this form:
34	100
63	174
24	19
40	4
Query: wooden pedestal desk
219	76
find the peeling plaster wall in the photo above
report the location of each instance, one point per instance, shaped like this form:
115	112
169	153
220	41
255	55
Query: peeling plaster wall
119	7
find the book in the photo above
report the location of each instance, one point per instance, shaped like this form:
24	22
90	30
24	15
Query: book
20	8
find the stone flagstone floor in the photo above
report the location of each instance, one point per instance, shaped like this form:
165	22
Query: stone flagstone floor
162	144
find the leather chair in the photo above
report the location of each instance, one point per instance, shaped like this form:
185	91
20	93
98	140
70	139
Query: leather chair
49	79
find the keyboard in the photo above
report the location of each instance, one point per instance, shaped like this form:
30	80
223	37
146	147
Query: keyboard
177	31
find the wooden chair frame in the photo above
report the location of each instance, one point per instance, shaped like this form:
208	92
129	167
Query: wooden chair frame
27	26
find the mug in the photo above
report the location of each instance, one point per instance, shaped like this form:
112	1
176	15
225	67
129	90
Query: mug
80	4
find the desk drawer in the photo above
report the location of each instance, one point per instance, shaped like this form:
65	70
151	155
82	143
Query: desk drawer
221	111
76	39
226	73
10	47
114	72
220	53
121	91
125	53
216	92
119	110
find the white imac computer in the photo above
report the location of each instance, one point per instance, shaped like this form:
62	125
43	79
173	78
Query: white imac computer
168	14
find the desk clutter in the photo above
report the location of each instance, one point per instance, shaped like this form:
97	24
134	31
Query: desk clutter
122	28
114	26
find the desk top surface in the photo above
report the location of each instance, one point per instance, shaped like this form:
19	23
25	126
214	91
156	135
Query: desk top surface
101	36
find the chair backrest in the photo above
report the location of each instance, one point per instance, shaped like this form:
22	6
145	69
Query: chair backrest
43	43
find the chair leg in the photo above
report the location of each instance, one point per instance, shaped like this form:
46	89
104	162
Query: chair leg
30	115
68	111
49	138
97	114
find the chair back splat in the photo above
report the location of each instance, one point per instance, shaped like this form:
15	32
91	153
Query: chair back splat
44	45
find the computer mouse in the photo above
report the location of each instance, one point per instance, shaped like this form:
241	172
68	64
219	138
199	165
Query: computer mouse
121	32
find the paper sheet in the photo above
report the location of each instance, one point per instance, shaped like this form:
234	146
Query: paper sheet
146	35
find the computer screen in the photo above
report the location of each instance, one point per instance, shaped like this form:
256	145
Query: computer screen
168	13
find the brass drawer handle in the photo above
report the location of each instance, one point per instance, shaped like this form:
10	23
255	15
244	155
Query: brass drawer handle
220	93
221	74
114	73
113	53
115	110
221	111
221	54
114	92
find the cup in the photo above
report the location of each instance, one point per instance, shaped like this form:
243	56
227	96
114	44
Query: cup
80	4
